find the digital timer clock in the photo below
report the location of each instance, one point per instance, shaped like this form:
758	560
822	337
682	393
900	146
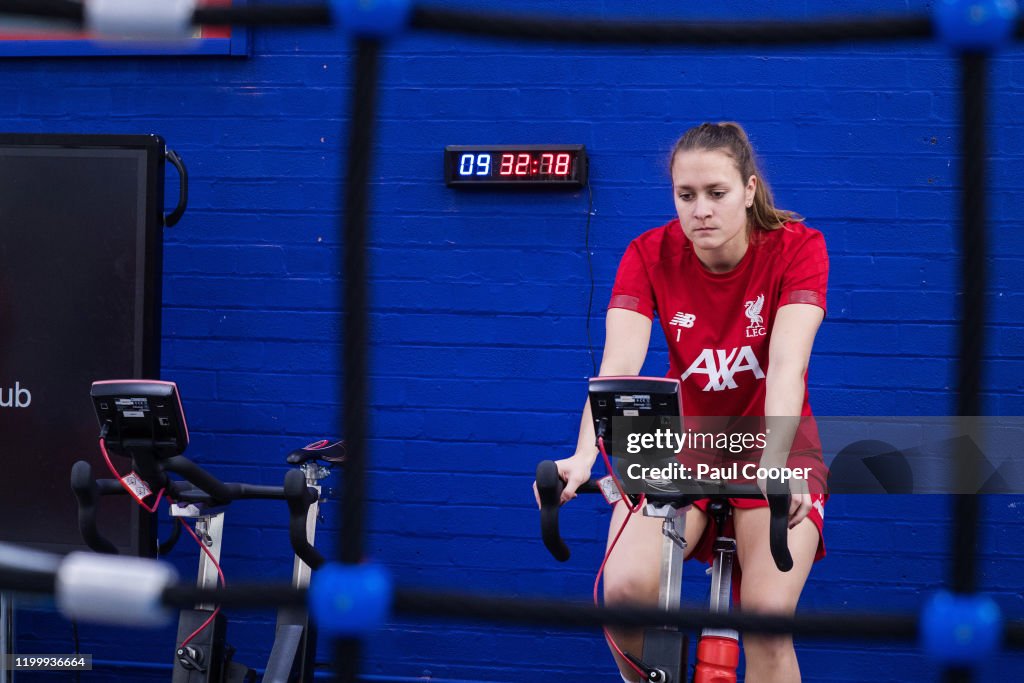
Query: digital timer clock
515	165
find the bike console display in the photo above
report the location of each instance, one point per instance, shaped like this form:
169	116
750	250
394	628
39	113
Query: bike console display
650	397
139	413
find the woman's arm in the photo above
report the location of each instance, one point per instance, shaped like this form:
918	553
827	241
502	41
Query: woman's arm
789	352
627	336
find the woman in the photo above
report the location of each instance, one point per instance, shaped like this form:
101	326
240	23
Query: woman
739	287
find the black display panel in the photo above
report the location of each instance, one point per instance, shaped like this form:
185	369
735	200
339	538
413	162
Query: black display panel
515	166
640	397
144	414
80	248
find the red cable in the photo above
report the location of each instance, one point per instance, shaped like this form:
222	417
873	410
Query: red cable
213	615
202	546
106	456
630	511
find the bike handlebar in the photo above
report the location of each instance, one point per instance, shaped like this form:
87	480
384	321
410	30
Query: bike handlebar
550	486
206	489
87	491
300	497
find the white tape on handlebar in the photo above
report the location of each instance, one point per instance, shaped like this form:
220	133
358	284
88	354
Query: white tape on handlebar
111	589
156	19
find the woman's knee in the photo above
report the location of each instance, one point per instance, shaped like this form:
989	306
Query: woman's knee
772	651
776	602
630	585
695	526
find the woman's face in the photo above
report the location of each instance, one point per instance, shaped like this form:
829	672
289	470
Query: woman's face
711	200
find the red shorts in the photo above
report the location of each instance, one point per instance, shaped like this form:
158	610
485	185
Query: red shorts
703	549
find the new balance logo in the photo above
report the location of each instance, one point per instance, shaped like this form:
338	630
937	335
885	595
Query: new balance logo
683	319
721	367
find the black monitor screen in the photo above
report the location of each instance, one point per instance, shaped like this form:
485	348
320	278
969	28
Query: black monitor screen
635	397
79	302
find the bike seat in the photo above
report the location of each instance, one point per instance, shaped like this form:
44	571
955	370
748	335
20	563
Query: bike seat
323	450
715	491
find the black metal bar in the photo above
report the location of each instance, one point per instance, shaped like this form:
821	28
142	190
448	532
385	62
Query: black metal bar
498	609
355	415
973	74
311	14
355	360
238	595
45	9
415	602
817	31
974	93
307	14
584	615
28	582
355	294
964	540
556	28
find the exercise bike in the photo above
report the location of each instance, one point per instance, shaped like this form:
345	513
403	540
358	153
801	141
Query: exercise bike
144	421
665	651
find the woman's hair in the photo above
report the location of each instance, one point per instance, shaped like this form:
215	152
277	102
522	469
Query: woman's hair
729	138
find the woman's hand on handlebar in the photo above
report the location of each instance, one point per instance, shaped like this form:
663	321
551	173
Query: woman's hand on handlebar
574	471
799	500
799	507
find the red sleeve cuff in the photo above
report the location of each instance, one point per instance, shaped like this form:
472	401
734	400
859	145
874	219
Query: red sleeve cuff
804	296
632	303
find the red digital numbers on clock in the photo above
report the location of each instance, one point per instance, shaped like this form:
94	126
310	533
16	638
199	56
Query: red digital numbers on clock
511	165
546	164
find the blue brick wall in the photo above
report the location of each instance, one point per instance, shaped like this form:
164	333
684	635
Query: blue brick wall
479	299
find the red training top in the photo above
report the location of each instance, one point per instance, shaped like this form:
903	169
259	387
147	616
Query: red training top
718	324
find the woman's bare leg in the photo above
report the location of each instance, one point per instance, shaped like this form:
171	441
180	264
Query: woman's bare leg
771	659
633	573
